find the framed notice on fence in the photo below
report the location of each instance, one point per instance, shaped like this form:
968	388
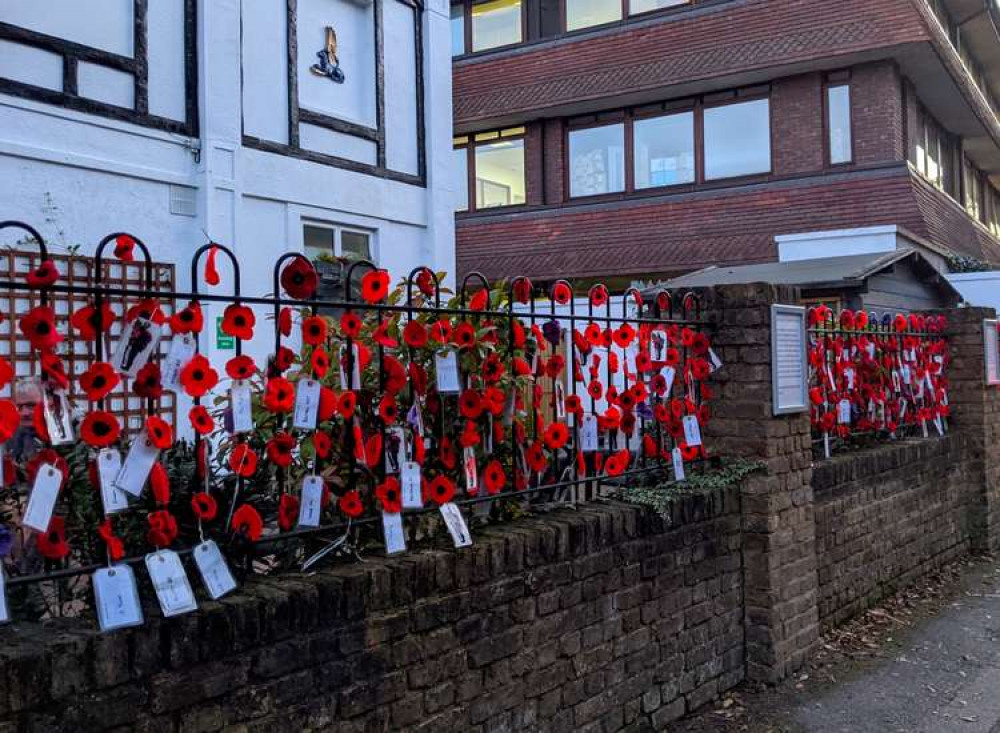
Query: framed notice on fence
789	365
990	344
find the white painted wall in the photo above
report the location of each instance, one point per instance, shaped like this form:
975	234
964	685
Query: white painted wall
844	242
978	288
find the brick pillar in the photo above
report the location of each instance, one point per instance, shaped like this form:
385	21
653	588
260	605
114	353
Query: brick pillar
779	548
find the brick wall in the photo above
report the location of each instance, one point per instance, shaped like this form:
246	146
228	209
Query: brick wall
797	124
877	116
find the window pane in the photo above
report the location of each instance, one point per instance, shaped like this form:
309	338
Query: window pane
597	160
664	150
457	30
460	169
933	171
839	121
644	6
500	174
355	245
585	13
496	23
737	139
319	241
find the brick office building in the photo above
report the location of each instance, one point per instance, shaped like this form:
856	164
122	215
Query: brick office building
645	138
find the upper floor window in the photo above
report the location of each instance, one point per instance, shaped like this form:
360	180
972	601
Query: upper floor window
458	46
333	240
478	26
597	160
838	123
932	153
492	163
664	150
585	13
737	139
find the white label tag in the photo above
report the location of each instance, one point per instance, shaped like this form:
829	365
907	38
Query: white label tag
714	360
311	504
4	608
241	403
117	598
692	430
588	433
42	501
939	424
306	404
395	450
560	398
455	522
136	343
58	417
826	444
630	368
906	374
844	412
678	460
870	348
182	350
902	410
668	374
849	374
109	464
471	473
657	346
3	482
138	463
355	367
214	569
410	485
447	373
392	529
173	590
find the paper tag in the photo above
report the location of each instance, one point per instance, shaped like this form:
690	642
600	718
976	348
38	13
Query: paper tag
455	522
3	481
939	424
826	444
410	485
182	350
471	473
355	367
902	410
630	367
306	404
923	425
692	430
678	460
714	360
42	501
241	404
109	464
392	530
870	348
4	608
135	345
844	412
173	590
138	463
311	504
657	346
906	374
58	416
395	449
214	569
588	433
668	374
446	367
849	374
560	398
117	598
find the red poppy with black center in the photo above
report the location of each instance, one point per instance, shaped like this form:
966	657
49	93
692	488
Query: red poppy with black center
441	331
44	275
279	395
299	278
479	300
320	362
148	309
493	369
388	494
283	359
346	404
99	380
198	376
381	334
204	506
314	330
700	344
441	490
643	362
241	367
124	246
598	296
388	410
39	326
350	504
595	389
624	335
350	325
147	381
322	444
288	512
395	374
279	449
100	429
201	420
464	336
561	293
690	452
238	321
574	405
243	460
52	544
247	522
285	321
375	286
535	456
700	369
626	400
616	464
470	405
494	477
415	334
162	528
159	482
188	320
160	433
88	322
54	370
556	436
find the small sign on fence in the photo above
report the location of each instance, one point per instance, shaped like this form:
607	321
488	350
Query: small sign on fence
789	368
992	347
223	341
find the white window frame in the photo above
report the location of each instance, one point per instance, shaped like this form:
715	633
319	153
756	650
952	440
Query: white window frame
338	229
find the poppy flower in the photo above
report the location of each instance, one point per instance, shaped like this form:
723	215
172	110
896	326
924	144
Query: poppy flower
241	367
247	522
283	359
201	420
198	376
598	296
188	320
388	410
373	450
595	389
350	504
464	336
418	377
624	335
159	482
54	370
375	286
288	512
147	381
88	322
10	419
279	449
899	323
381	334
470	406
314	330
561	293
162	528
415	334
574	405
441	490
147	309
52	544
243	460
555	365
535	456
6	372
494	477
100	429
395	374
124	246
426	282
39	326
279	395
847	320
160	433
116	548
346	404
322	444
388	495
480	299
285	321
44	275
204	506
441	331
690	452
238	321
350	325
320	362
299	278
616	464
556	436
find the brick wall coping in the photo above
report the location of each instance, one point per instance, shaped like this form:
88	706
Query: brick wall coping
843	469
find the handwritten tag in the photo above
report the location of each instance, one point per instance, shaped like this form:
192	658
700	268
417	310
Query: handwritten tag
306	405
117	598
446	367
214	569
471	473
241	403
109	464
42	501
714	360
668	373
844	412
311	505
135	345
138	463
455	522
677	458
4	608
173	590
58	416
410	485
692	430
182	350
392	529
355	367
588	433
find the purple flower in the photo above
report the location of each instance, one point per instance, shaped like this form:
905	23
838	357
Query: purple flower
552	332
6	540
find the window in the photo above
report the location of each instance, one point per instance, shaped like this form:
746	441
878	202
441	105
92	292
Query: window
457	30
495	23
585	13
934	154
972	189
333	240
597	160
644	6
496	160
737	139
664	150
838	121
